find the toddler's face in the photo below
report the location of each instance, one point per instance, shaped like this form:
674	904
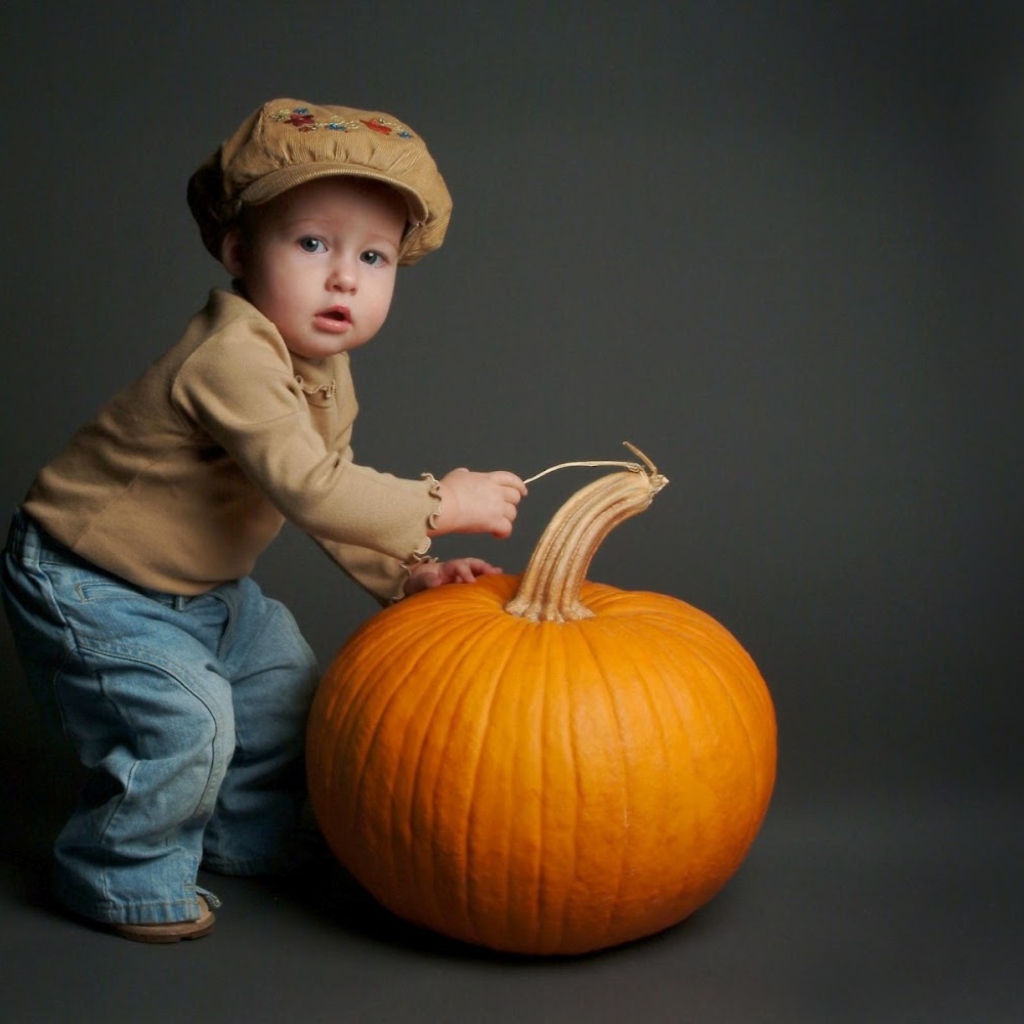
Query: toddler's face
320	261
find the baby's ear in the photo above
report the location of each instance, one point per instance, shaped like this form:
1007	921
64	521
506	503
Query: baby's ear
232	252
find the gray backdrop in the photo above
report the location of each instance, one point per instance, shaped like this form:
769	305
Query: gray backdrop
779	247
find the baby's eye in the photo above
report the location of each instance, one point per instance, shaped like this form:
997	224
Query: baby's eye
309	244
372	258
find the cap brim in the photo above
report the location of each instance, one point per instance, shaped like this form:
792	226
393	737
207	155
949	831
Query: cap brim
265	188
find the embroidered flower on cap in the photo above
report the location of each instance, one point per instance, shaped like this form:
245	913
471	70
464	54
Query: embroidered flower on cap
302	119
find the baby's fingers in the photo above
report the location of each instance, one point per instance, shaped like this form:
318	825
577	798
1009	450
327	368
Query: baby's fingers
510	481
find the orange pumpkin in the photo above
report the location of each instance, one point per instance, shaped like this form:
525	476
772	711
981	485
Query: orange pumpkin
544	765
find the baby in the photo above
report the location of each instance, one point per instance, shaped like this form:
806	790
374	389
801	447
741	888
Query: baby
126	577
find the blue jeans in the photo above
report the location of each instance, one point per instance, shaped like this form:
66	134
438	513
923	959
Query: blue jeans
188	713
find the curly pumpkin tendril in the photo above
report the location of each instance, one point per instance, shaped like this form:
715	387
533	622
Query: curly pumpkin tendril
633	467
549	590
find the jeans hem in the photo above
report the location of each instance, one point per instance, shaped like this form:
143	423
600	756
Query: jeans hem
149	912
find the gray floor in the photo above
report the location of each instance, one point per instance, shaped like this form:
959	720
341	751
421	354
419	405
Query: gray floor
899	909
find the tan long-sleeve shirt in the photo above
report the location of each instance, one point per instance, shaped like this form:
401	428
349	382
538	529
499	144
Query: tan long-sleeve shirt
183	479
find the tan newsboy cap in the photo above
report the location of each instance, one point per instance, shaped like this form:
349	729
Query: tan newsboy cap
288	142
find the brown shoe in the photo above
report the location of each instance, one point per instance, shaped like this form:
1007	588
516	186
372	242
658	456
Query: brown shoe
172	931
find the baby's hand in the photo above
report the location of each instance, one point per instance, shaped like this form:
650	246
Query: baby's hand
478	502
437	574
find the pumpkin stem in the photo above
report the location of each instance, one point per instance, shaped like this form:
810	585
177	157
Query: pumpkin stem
549	590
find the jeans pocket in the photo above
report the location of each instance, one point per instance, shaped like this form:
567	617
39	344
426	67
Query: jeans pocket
104	590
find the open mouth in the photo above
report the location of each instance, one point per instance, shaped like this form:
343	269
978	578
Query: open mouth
338	315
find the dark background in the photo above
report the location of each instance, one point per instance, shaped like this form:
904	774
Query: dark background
780	247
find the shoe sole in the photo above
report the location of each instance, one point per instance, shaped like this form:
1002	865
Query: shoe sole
175	931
